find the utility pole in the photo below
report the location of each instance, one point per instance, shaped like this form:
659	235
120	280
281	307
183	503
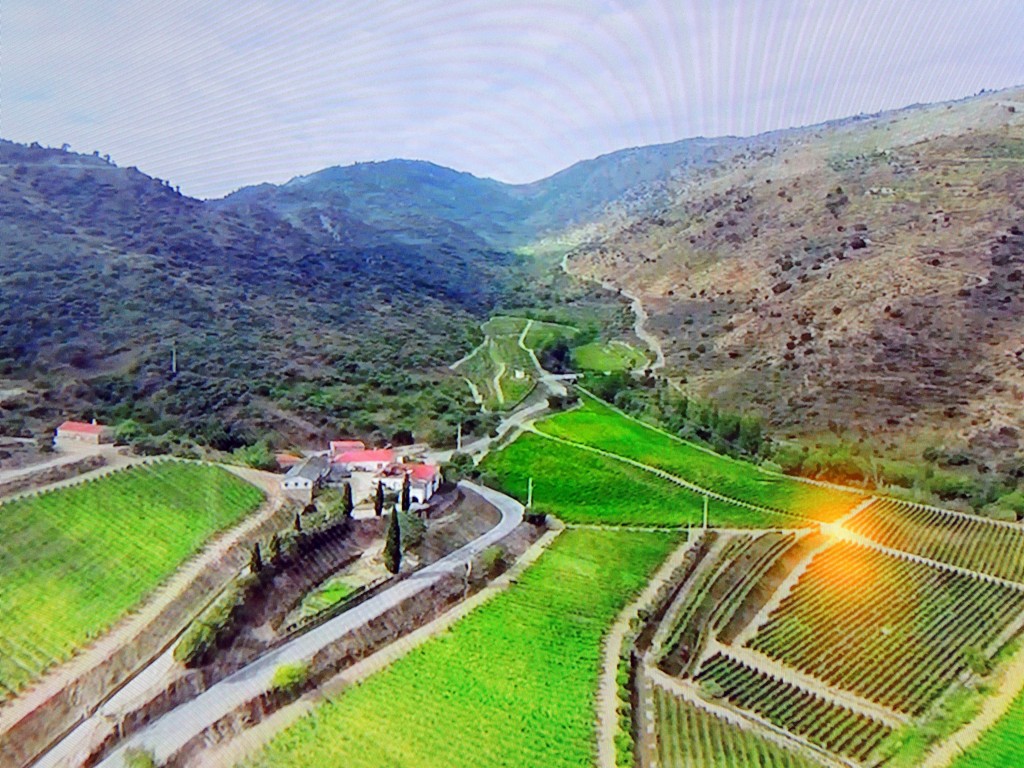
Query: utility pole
705	512
174	358
458	439
529	494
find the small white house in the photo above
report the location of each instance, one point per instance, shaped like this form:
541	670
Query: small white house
424	480
305	478
73	434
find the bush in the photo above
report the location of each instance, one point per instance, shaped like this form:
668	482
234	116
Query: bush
493	561
290	679
459	467
134	757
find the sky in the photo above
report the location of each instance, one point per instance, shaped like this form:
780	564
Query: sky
213	96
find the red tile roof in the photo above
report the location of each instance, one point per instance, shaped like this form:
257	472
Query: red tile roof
287	459
423	471
382	455
82	426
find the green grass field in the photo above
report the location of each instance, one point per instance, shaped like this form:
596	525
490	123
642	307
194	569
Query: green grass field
1000	746
608	356
512	684
579	486
74	561
597	424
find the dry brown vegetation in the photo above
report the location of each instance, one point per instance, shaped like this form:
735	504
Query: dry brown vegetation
859	277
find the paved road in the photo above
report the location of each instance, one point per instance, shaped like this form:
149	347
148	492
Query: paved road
170	732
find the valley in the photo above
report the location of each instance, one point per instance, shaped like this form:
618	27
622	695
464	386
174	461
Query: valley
721	440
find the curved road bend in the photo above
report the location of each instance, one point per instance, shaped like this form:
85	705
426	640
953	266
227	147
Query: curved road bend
170	732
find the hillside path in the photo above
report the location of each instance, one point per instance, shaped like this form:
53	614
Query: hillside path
608	690
167	734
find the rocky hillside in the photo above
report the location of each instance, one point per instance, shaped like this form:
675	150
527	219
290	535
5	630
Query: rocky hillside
864	278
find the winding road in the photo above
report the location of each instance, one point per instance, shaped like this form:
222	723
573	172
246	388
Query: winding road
169	733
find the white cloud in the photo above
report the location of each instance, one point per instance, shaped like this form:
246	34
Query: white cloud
213	95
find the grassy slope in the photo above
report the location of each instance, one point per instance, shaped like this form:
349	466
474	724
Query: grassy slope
583	487
600	426
608	356
123	534
1002	745
512	684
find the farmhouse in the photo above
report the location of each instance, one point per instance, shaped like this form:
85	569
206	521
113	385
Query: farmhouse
362	460
304	479
424	480
72	434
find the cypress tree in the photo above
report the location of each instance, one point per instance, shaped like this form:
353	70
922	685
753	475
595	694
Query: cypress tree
378	500
406	501
298	523
393	546
346	500
274	550
255	559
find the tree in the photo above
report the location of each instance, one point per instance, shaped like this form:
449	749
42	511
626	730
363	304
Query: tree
346	500
274	549
298	523
378	500
255	559
406	500
393	546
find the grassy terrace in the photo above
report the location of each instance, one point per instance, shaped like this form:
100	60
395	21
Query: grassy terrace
581	487
1000	746
124	533
601	426
512	684
494	364
608	356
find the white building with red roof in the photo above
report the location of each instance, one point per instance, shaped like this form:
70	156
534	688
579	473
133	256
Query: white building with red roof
78	433
363	460
424	480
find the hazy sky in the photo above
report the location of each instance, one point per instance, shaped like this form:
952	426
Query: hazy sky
216	95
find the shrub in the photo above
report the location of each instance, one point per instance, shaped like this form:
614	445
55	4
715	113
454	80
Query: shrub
413	530
493	561
290	679
135	757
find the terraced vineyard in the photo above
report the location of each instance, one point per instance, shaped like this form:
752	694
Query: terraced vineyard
512	684
124	533
822	722
891	630
580	486
972	543
719	586
598	425
502	371
691	737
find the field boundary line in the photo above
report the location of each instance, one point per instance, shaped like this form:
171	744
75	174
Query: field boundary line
745	720
608	688
1011	684
247	743
672	478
